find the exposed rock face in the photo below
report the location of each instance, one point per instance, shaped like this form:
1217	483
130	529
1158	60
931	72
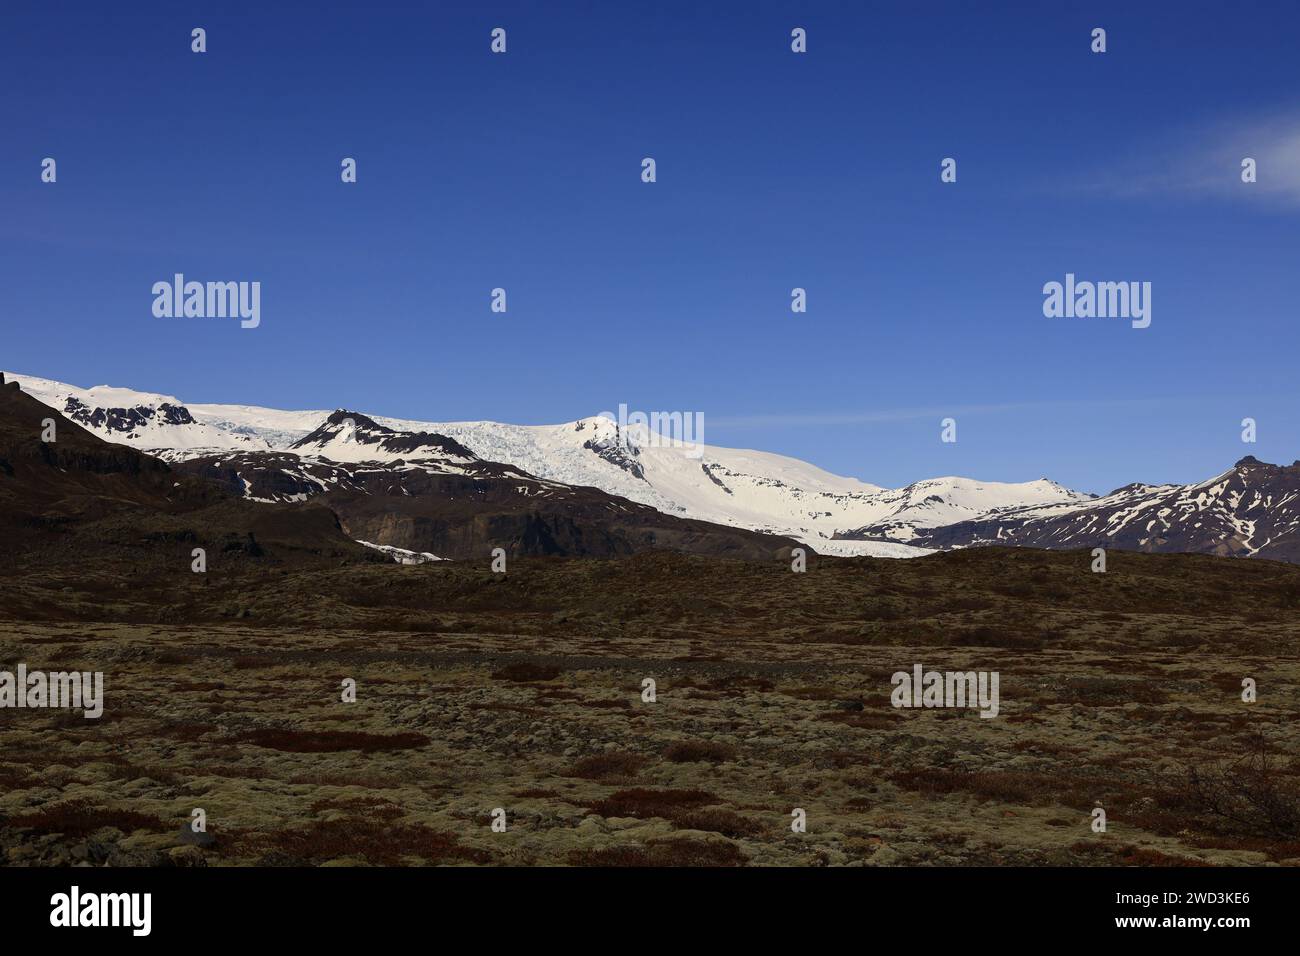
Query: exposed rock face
616	452
126	419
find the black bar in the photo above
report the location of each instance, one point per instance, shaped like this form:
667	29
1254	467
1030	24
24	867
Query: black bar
945	906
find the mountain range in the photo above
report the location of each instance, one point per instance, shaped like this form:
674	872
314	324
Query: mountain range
426	490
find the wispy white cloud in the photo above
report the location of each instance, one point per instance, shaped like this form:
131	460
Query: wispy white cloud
1205	161
819	419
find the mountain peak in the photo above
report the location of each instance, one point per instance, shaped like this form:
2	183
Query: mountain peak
341	416
350	436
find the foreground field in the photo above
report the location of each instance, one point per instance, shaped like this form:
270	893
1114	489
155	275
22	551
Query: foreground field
524	692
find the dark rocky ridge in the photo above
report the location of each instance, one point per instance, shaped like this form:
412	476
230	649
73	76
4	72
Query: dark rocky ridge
126	419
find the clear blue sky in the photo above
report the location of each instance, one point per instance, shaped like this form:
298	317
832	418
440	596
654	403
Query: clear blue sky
775	170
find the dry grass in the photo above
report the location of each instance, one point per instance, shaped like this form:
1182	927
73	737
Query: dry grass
607	766
79	818
662	853
1254	794
526	672
695	751
330	741
374	841
773	693
645	802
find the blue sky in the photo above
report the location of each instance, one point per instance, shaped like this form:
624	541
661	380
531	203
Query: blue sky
775	170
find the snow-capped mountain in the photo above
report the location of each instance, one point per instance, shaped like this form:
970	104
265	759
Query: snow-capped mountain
911	512
143	420
1251	510
751	489
294	508
744	489
351	452
350	437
